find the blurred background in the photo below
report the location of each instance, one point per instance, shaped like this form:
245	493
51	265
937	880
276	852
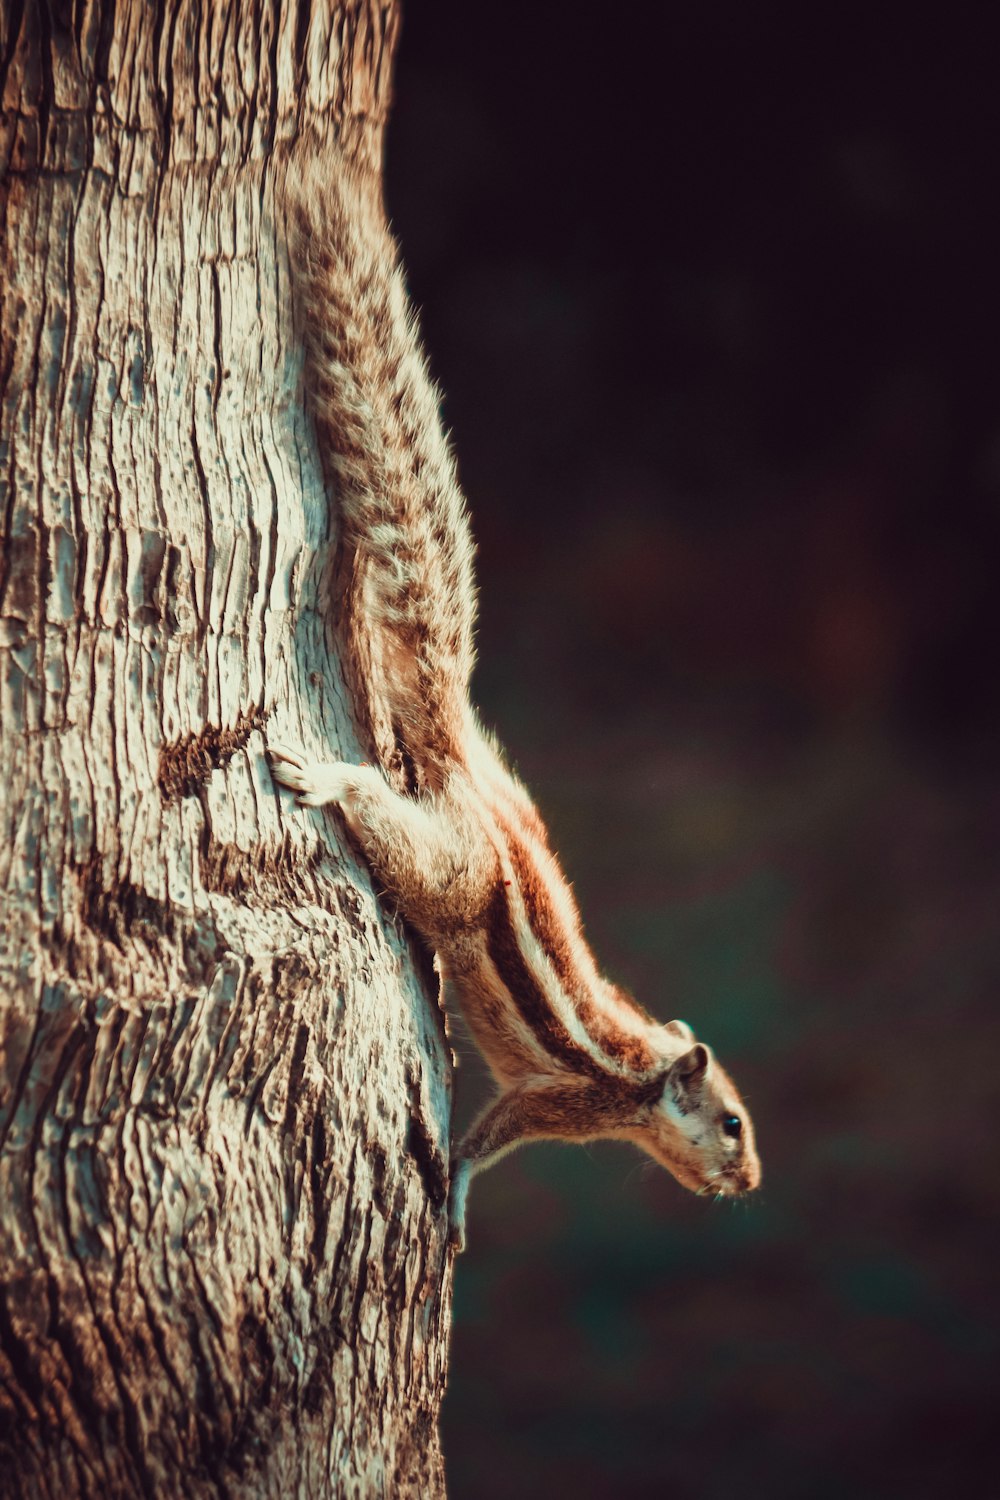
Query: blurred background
712	295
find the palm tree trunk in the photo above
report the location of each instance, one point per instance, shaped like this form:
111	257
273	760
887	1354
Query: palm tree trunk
224	1082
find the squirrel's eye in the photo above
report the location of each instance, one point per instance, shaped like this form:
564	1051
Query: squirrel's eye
732	1125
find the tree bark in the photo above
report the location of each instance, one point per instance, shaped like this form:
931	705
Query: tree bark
224	1081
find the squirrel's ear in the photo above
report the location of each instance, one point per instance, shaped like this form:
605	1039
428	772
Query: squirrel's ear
681	1029
690	1068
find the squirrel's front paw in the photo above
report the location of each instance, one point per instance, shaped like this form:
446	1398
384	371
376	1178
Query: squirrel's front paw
456	1237
461	1173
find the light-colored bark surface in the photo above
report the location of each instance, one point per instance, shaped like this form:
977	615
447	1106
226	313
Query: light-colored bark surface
224	1087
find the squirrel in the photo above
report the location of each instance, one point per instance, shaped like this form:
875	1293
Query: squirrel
466	855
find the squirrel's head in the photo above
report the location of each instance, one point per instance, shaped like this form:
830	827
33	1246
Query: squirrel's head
697	1125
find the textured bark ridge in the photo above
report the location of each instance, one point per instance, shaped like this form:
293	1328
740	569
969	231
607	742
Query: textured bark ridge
224	1084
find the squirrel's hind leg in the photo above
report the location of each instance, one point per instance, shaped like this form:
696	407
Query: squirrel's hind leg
314	782
431	853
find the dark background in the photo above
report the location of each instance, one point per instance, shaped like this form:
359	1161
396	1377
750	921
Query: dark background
711	294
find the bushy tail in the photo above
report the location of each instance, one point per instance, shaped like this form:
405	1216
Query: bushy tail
384	450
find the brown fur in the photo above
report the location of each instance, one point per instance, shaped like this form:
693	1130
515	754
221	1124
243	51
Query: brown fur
468	858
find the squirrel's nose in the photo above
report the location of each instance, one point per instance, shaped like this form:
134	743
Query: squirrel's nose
750	1177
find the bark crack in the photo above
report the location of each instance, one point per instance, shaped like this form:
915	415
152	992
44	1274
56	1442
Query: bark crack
186	764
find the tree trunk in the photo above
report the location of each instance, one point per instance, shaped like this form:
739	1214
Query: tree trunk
224	1081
